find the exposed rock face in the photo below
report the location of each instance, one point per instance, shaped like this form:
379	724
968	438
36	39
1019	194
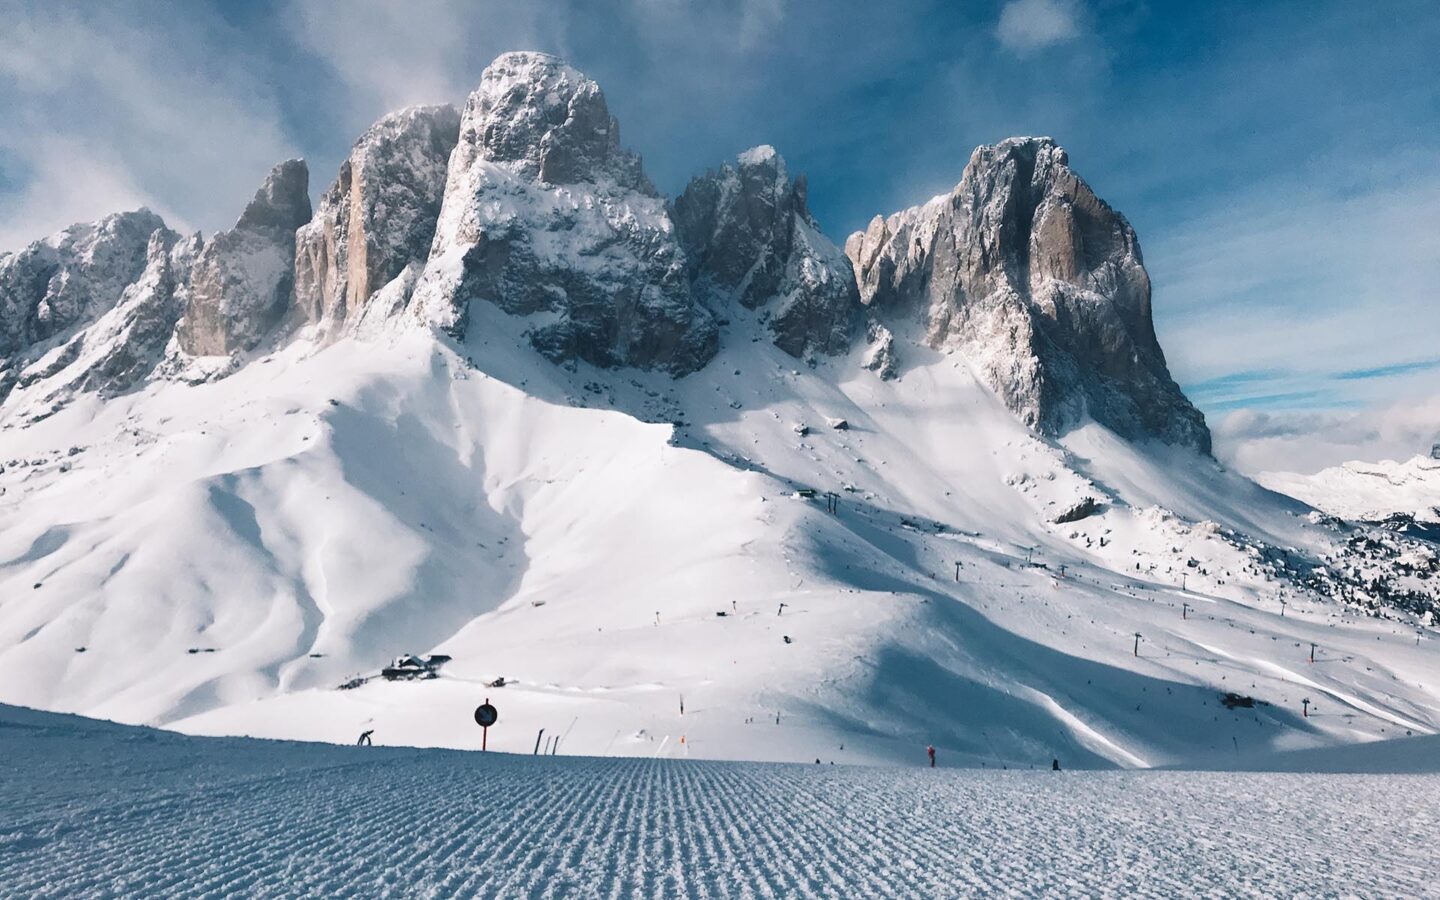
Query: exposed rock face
1083	508
547	122
545	213
130	340
241	285
70	278
751	240
377	218
527	201
56	286
881	357
1041	283
125	344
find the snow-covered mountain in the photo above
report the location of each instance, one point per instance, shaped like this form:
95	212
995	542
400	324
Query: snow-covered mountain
1363	491
1040	283
687	476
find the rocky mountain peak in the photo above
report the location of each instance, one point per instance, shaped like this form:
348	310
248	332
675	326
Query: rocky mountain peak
1041	284
282	204
751	240
545	213
526	200
68	279
378	217
548	121
241	284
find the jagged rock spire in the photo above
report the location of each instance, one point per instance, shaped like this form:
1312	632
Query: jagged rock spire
69	278
751	240
546	121
545	212
378	217
1041	283
241	286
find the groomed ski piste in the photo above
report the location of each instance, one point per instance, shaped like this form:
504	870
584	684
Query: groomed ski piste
96	809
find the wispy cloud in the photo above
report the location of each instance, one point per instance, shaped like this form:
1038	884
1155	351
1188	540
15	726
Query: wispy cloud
105	110
1290	441
1327	288
1225	384
1029	25
391	55
1290	400
1424	365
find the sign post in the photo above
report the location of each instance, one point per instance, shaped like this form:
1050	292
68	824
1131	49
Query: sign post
485	716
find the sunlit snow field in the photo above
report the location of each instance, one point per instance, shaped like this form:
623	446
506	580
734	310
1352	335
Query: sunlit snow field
92	808
268	537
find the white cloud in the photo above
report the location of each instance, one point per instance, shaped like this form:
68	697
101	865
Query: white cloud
70	182
392	55
1253	442
1303	282
758	20
1028	25
106	113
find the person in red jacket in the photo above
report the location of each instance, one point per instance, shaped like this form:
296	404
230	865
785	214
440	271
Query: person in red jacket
931	750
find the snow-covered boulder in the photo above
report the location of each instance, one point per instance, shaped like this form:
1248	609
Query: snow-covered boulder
241	286
1083	508
1041	284
377	218
545	214
751	240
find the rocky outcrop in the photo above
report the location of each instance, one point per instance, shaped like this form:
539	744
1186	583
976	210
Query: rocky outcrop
544	121
55	287
67	280
545	214
751	240
880	354
241	284
128	343
377	218
1041	284
1083	508
122	347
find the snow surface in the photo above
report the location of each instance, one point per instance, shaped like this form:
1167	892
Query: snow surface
92	808
220	558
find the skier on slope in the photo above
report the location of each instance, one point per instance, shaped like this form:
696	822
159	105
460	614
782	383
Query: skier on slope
365	739
931	750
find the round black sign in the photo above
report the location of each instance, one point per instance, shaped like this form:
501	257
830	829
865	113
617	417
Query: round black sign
485	715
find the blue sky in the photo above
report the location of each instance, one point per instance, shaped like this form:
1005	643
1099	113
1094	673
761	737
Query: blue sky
1279	160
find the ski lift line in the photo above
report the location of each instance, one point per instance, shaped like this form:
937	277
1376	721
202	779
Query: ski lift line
1288	677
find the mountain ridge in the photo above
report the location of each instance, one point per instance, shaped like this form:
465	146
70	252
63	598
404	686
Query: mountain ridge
460	202
520	410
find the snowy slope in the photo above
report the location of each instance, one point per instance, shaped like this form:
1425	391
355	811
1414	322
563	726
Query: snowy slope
96	809
1367	491
319	512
